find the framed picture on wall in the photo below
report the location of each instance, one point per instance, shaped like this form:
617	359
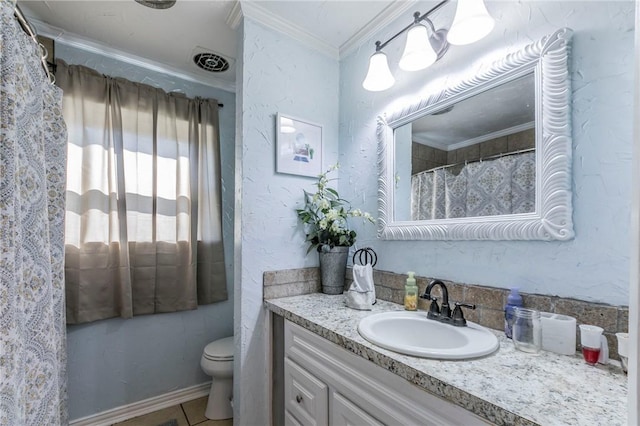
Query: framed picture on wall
298	146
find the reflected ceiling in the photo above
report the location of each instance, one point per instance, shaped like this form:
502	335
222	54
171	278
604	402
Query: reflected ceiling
503	107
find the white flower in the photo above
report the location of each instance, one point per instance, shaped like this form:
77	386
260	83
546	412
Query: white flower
324	204
332	214
325	216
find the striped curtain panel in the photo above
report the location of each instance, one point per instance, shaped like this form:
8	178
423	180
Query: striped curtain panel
144	218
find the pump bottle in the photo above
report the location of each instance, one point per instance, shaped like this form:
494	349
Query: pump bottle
411	293
513	300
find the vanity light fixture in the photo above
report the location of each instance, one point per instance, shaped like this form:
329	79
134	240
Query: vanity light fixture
379	76
471	23
418	53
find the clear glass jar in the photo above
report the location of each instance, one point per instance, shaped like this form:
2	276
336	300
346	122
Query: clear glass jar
527	330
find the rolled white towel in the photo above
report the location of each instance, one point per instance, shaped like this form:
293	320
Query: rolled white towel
362	293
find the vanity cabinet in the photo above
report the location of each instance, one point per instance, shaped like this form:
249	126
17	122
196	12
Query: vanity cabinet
325	384
306	396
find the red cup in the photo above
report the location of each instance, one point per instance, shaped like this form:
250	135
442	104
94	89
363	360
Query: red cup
591	355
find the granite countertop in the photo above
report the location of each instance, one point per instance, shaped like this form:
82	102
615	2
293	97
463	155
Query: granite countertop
508	387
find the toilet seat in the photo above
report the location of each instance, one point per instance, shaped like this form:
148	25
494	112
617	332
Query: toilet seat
219	350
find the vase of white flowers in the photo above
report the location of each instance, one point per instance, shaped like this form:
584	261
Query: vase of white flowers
324	216
333	268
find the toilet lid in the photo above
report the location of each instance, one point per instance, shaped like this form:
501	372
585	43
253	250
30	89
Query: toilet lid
220	350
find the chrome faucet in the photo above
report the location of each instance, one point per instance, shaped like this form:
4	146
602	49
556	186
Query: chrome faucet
443	313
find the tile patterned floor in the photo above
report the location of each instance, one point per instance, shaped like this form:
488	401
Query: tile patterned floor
189	413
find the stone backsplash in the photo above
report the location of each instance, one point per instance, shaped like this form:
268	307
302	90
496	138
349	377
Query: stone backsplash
489	301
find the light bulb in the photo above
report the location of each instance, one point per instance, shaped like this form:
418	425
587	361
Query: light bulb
471	23
379	76
418	53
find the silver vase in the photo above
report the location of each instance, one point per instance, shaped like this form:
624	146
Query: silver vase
333	266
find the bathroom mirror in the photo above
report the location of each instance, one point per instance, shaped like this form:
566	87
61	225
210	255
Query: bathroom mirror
484	158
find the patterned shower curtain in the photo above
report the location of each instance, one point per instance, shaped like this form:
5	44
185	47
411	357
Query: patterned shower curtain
504	185
32	191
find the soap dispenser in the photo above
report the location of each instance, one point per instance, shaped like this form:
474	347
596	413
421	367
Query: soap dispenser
411	293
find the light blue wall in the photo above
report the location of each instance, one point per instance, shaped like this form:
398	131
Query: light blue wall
116	362
595	265
279	75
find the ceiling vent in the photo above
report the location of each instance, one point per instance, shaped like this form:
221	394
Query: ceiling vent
157	4
211	62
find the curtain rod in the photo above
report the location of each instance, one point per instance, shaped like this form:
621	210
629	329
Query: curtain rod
491	157
28	28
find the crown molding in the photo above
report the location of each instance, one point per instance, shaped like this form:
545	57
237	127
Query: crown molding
92	46
494	135
258	13
382	20
235	15
473	141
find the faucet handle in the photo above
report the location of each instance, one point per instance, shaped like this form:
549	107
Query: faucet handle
457	317
434	309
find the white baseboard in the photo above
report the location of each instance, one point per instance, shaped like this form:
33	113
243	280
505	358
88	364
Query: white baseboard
146	406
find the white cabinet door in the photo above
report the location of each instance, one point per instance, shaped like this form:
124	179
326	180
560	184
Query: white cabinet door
365	393
346	413
305	397
289	420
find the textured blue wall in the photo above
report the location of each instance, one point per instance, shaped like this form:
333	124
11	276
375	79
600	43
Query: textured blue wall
279	75
595	265
116	362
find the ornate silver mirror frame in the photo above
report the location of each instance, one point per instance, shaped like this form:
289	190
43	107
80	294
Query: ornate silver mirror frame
551	220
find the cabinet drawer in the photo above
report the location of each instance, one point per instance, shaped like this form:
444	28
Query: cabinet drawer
305	396
289	420
346	413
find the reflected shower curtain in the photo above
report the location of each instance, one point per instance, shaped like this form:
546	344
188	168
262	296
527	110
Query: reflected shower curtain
504	185
32	197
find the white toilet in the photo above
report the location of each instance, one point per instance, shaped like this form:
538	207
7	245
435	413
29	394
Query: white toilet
217	362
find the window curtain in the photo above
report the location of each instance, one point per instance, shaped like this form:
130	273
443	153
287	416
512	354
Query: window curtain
143	221
504	185
33	383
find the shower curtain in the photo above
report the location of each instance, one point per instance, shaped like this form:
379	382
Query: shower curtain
32	191
504	185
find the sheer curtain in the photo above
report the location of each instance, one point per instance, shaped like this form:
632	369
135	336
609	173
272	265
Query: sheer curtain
504	185
144	228
33	356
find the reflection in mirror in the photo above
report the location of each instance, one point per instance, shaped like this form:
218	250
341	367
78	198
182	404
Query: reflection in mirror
475	157
487	157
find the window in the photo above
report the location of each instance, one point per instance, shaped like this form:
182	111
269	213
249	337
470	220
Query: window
143	221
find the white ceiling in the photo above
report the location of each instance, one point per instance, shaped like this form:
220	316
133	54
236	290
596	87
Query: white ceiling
168	39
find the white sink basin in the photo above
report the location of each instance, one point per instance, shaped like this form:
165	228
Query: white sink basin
411	333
